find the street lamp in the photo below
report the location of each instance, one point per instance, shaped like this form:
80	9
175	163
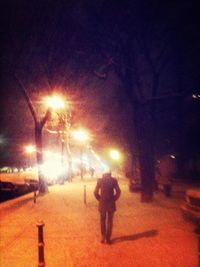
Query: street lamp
30	149
115	155
82	137
57	104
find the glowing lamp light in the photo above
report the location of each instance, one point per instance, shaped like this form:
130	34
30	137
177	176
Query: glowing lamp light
115	155
30	149
80	135
52	168
55	102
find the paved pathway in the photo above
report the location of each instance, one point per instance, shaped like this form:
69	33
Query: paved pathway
144	235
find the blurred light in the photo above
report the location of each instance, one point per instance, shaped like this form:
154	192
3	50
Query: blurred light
106	168
80	135
172	157
52	169
30	149
48	153
115	155
2	140
195	96
97	157
85	158
55	102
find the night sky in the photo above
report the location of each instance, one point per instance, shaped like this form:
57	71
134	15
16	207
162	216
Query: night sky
98	53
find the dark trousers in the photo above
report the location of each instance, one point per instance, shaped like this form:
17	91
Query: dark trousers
106	222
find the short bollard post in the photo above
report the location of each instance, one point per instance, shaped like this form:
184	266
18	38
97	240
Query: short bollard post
84	195
41	262
34	197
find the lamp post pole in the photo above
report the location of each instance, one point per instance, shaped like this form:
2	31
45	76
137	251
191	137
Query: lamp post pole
57	104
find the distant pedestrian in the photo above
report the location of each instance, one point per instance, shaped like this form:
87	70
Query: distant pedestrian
107	191
165	171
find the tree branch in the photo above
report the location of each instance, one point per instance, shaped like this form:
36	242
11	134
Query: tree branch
160	55
103	70
163	97
144	50
45	118
27	99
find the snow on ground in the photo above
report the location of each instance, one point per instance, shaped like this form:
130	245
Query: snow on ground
144	235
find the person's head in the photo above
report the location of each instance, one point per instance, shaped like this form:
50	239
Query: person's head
107	175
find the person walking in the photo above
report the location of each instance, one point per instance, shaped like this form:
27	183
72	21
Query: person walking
165	171
107	191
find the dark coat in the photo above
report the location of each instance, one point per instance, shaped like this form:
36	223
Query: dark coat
107	191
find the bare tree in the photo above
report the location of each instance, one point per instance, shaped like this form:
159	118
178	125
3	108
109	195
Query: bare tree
137	45
39	124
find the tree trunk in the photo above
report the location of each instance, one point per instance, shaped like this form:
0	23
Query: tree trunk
38	141
146	152
38	137
147	171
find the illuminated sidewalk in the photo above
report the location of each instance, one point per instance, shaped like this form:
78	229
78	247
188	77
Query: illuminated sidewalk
144	235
